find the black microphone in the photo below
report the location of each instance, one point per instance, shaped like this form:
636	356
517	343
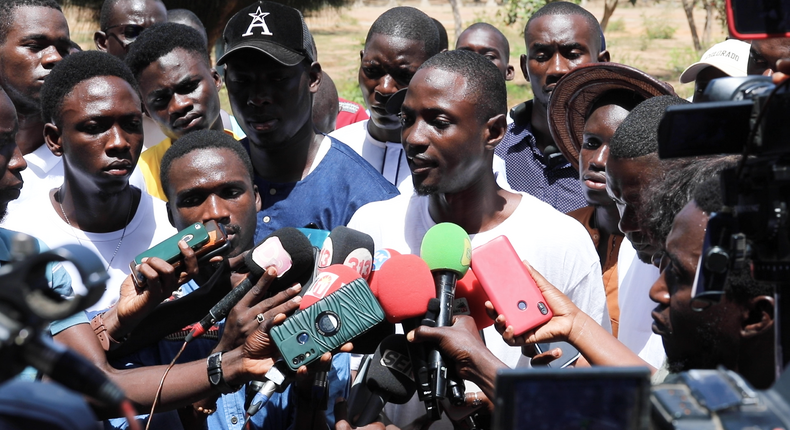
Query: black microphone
348	247
71	370
287	249
389	379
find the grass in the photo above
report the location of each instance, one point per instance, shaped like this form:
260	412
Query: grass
679	59
616	25
658	27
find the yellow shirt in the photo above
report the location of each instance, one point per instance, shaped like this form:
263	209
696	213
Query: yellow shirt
151	162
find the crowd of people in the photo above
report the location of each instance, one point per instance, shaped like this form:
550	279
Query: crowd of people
118	148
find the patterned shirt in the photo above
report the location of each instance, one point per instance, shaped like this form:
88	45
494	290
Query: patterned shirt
550	178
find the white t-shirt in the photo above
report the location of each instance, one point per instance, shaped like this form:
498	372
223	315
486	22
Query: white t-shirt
636	324
553	243
45	172
149	226
389	158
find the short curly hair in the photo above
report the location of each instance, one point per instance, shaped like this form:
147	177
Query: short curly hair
8	7
195	141
72	70
162	39
408	23
637	135
482	77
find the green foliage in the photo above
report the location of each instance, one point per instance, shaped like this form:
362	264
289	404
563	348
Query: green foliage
658	27
679	59
616	25
517	93
349	90
518	11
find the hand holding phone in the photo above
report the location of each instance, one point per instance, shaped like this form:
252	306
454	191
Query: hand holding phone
509	286
206	239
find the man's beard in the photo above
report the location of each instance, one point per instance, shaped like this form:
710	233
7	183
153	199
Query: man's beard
710	349
426	190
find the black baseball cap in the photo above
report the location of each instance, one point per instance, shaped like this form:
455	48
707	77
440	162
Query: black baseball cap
274	29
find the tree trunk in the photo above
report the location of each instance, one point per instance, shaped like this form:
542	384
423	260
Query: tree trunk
456	17
710	9
608	9
688	7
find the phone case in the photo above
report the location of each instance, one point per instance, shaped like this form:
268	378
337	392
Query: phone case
326	325
207	239
509	285
194	235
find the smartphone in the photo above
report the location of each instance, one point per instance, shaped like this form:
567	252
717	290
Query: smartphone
327	324
509	285
569	353
203	238
758	19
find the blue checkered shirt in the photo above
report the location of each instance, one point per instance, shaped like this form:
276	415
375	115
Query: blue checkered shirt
529	170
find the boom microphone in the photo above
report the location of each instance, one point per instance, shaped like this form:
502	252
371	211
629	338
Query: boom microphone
389	379
287	249
448	251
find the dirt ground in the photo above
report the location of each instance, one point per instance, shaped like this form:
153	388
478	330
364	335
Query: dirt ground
340	35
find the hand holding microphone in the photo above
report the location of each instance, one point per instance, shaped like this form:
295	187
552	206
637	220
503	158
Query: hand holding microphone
448	251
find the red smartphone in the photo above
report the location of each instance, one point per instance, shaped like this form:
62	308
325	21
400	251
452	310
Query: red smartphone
509	285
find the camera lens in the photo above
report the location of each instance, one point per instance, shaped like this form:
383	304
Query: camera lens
295	361
301	358
302	338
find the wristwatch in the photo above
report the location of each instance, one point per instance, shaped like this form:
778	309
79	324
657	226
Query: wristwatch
214	365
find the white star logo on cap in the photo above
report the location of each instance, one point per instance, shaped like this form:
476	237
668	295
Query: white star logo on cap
257	21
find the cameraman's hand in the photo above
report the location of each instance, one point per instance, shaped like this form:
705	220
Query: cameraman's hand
341	419
559	328
543	359
243	319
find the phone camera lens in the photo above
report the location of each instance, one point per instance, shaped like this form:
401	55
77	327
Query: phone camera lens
295	361
301	358
302	338
522	305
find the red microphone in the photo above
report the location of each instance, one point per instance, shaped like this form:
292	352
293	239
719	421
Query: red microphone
404	285
470	299
379	258
327	282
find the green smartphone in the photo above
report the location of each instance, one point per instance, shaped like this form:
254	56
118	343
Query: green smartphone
327	324
201	237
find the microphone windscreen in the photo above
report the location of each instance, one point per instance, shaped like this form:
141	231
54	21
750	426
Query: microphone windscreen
446	247
404	287
327	282
470	299
349	247
289	251
390	371
379	258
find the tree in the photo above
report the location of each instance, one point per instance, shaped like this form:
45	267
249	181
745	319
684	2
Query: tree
713	9
520	10
215	13
608	10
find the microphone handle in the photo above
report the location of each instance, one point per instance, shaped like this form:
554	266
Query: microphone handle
221	309
445	292
71	370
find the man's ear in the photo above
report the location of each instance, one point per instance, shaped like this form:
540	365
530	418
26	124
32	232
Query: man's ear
217	79
758	316
496	128
510	74
523	62
603	56
170	213
100	40
361	54
316	74
258	203
52	139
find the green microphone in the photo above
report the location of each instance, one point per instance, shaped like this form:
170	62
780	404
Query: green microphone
448	251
